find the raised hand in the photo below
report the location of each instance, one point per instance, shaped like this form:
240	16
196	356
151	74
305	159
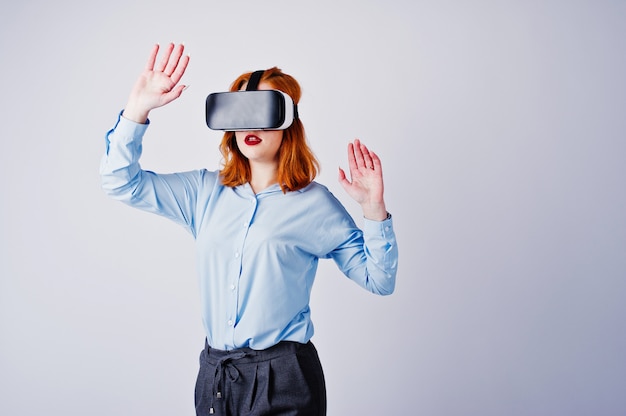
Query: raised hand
366	181
158	83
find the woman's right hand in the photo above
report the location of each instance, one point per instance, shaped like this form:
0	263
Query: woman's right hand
158	84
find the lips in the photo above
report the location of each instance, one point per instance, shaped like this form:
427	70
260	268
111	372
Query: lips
252	140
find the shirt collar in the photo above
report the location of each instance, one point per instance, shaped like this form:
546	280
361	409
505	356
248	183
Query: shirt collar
246	190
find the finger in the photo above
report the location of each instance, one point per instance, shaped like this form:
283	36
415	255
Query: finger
367	157
166	57
358	154
180	69
345	183
152	58
377	164
352	163
342	175
173	94
174	60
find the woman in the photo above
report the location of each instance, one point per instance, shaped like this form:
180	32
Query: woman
261	224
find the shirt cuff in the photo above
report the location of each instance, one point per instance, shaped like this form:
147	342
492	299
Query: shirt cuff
129	129
129	125
382	228
124	131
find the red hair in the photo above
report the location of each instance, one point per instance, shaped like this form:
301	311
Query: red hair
297	165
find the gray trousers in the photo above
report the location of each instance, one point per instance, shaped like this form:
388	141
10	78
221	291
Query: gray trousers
286	379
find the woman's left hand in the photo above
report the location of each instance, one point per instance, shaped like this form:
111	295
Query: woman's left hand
366	181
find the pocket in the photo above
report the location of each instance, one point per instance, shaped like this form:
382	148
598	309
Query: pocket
312	370
295	384
255	398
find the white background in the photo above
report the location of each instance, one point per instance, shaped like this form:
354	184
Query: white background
502	130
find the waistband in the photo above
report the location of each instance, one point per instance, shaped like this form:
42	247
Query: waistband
248	355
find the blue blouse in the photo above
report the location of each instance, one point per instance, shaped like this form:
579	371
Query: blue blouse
257	254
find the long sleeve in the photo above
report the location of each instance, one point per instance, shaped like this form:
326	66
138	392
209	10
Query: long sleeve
370	257
170	195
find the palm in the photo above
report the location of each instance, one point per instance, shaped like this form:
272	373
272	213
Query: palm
366	179
158	83
154	88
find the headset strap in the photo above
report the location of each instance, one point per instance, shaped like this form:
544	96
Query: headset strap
253	82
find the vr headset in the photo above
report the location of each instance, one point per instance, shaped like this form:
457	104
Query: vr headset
250	109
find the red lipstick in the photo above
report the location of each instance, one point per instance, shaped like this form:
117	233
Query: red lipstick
252	140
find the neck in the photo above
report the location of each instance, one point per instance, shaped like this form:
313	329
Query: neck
263	175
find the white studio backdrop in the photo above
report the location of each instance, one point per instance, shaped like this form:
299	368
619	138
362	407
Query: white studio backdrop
502	133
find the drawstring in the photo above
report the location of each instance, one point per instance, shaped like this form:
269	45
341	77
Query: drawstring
223	368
